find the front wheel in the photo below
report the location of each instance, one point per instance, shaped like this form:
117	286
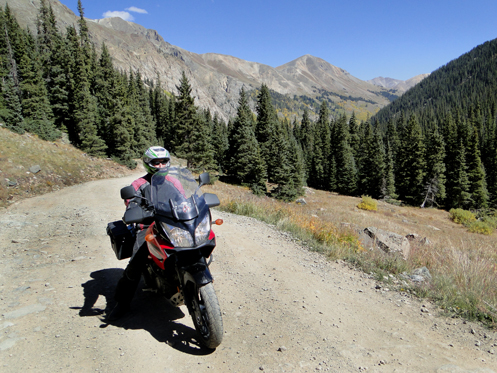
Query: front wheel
206	316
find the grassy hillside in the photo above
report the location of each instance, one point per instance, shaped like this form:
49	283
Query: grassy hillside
59	163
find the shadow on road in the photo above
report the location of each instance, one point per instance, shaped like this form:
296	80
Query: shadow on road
103	283
149	312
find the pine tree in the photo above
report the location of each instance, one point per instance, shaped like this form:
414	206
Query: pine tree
265	131
388	191
10	105
435	174
121	130
85	105
372	163
36	108
160	111
11	113
47	31
185	119
72	42
220	142
297	162
392	137
56	65
140	107
246	165
307	142
452	161
105	92
86	44
346	173
60	86
287	173
202	152
354	138
320	166
17	42
411	160
492	171
461	198
476	173
171	127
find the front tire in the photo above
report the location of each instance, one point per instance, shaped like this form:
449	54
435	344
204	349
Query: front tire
206	316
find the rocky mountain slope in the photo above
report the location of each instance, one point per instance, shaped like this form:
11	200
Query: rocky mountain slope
215	79
398	85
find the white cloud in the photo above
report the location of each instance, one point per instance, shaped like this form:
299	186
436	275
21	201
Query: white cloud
136	10
117	13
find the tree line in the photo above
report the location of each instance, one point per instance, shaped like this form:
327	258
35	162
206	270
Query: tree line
443	166
455	107
56	84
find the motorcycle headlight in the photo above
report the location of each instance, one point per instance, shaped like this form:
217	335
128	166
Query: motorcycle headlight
203	230
178	237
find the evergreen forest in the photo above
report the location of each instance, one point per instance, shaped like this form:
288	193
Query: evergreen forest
434	146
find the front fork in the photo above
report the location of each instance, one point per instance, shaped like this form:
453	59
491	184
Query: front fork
193	278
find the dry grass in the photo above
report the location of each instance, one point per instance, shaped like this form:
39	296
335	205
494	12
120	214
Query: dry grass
462	264
60	163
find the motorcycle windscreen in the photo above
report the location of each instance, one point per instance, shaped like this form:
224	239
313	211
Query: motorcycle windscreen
169	201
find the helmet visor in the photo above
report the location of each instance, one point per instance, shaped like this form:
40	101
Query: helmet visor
159	162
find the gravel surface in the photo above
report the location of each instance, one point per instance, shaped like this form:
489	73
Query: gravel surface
285	309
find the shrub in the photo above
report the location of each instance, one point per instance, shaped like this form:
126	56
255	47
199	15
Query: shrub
368	204
461	216
490	220
481	227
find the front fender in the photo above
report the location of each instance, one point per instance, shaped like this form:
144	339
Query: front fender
197	273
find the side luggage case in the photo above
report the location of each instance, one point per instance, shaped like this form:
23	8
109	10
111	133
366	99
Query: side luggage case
122	238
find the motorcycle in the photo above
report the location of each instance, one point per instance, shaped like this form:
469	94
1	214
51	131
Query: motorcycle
180	243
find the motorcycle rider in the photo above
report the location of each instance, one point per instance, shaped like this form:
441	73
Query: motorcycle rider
155	158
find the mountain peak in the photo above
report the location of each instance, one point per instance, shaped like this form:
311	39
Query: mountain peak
395	84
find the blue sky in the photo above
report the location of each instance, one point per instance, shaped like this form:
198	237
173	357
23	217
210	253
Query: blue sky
397	39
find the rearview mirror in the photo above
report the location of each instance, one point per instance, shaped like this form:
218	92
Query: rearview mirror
128	192
204	178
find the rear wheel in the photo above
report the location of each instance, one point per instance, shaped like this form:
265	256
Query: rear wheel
206	316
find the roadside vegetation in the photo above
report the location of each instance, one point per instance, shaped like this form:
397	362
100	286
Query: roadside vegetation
463	265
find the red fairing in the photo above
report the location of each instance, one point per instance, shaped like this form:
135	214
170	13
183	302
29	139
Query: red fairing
211	235
156	247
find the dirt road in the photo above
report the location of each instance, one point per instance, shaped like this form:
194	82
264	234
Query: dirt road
285	309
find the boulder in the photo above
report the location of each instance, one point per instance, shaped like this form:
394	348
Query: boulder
389	242
423	272
35	169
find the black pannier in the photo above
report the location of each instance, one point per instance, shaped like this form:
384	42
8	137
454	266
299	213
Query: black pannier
122	239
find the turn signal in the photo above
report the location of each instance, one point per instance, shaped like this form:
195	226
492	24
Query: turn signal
218	221
150	237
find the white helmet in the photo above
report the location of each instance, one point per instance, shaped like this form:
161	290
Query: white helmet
153	156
